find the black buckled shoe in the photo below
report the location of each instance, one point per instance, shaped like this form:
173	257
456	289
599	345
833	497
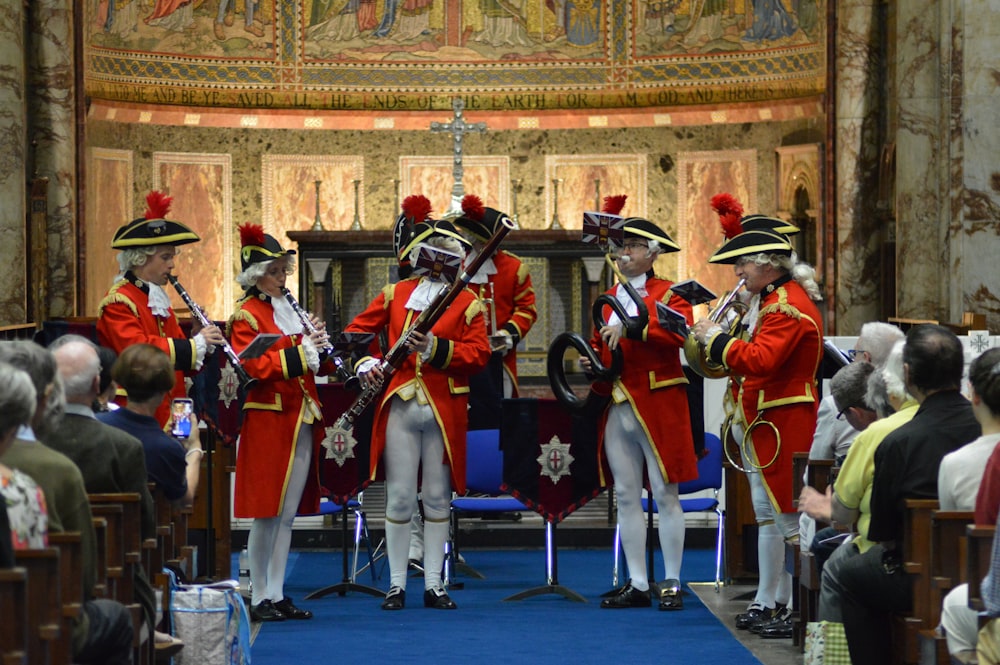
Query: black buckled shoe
395	599
286	607
629	596
781	627
779	615
438	599
756	613
671	596
265	610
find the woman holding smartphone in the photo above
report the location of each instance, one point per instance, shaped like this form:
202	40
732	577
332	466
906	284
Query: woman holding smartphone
277	461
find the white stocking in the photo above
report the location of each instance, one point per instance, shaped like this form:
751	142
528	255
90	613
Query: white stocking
770	563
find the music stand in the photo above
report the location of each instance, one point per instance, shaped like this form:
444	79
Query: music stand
344	471
551	465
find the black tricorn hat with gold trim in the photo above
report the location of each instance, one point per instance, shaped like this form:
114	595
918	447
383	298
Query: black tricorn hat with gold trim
257	246
478	220
643	228
767	223
430	228
153	228
751	243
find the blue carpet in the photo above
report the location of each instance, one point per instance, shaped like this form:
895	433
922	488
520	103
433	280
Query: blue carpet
485	629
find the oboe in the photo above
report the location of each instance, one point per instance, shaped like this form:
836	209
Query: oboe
344	372
246	381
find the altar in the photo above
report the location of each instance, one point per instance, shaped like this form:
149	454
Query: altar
342	271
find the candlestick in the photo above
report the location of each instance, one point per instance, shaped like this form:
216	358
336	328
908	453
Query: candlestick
555	203
597	193
515	186
317	222
356	224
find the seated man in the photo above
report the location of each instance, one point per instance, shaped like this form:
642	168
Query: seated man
102	634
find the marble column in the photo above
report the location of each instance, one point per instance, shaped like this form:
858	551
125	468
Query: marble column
975	176
52	127
858	93
12	149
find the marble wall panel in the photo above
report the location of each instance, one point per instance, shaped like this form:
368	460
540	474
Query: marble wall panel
109	205
577	183
432	175
200	184
700	176
12	165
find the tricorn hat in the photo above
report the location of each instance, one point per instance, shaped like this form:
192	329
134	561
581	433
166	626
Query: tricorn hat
638	227
478	220
257	246
430	228
415	209
750	243
760	222
153	228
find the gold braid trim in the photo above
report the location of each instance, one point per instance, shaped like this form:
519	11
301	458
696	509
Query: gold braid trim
242	315
113	298
522	271
781	306
474	308
388	291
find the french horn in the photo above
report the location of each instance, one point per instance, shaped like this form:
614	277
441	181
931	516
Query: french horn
728	313
632	324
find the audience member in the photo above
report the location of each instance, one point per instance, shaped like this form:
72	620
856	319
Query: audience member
906	467
174	465
106	391
988	644
25	520
850	499
959	484
103	631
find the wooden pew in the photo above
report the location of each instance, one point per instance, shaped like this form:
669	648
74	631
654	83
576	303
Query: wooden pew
978	555
101	542
123	513
799	561
14	610
70	585
44	604
917	563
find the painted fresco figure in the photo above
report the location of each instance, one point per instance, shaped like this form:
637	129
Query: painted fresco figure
223	17
771	21
583	21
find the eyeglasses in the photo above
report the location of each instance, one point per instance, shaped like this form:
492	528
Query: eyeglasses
636	245
855	354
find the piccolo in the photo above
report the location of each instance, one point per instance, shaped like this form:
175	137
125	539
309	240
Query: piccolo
246	381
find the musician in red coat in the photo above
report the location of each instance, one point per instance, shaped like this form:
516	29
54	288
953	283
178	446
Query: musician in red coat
277	461
503	285
778	398
424	406
136	310
647	423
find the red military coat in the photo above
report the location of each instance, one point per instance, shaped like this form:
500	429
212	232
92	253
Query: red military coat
124	319
273	412
653	382
513	303
779	366
460	350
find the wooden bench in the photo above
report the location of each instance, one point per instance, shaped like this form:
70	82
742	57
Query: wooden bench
70	583
799	561
101	547
978	555
44	604
14	610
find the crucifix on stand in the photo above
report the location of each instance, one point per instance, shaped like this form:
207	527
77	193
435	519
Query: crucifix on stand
458	127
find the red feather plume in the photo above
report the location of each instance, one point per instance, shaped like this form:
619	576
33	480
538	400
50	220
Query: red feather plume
473	207
157	205
614	204
251	234
417	207
730	212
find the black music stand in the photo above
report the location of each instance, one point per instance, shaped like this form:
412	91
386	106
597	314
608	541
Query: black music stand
345	474
551	585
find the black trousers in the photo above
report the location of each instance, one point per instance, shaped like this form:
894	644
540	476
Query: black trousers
872	594
109	638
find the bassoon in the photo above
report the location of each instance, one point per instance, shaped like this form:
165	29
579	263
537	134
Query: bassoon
425	321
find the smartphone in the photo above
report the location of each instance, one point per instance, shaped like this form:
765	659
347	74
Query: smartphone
180	417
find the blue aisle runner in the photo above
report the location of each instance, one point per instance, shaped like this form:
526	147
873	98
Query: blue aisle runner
486	630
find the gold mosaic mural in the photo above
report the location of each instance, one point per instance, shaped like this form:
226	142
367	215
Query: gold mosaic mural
406	55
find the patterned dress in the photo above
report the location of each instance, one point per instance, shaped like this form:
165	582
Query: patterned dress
26	511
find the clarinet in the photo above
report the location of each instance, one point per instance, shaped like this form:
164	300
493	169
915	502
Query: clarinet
246	381
344	372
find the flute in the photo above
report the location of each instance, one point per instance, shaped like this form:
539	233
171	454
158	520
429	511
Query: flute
246	381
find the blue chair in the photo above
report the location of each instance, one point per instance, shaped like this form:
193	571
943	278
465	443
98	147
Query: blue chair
709	478
483	477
